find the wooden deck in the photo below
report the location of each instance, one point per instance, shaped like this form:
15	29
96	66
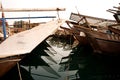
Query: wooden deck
24	42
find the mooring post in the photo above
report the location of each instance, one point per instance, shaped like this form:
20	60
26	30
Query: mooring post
4	27
3	23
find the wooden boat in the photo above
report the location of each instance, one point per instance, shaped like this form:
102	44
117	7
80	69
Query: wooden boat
102	42
76	19
103	39
14	47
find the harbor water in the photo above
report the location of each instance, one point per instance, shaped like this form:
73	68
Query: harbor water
59	59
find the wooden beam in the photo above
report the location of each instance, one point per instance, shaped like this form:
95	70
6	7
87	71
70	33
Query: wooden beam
31	9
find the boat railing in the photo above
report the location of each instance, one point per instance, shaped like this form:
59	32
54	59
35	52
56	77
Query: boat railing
110	35
79	19
93	21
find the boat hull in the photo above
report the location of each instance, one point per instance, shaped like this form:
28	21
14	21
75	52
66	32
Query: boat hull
103	38
103	43
7	64
105	46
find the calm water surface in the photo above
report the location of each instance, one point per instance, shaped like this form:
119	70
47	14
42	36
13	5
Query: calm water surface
54	59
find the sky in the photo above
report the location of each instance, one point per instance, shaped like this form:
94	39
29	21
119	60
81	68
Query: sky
96	8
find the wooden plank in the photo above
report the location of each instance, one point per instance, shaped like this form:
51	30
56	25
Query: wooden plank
24	42
31	9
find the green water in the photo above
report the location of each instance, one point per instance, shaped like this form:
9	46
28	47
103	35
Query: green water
65	63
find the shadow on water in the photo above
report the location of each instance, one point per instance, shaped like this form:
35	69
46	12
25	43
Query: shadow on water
80	64
14	75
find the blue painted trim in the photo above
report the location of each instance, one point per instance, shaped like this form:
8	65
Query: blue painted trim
4	27
30	17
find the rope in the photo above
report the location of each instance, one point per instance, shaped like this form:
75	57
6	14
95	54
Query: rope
18	66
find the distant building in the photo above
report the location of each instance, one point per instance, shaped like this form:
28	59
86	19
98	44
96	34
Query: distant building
22	25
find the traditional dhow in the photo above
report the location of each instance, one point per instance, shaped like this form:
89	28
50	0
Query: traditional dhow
103	39
15	47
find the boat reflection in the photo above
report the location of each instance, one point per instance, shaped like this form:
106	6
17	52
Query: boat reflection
62	41
34	63
50	62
